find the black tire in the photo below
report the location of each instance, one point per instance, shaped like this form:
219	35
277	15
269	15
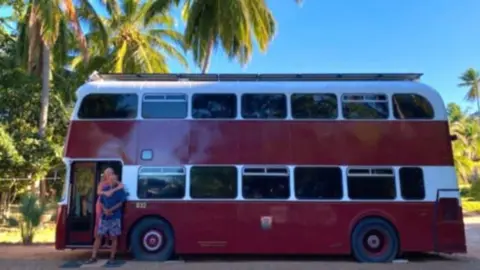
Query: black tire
152	239
374	240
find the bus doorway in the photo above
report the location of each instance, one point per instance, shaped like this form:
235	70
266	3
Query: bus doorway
84	179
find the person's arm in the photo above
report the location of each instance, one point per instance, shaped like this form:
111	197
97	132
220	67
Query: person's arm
99	189
118	186
115	207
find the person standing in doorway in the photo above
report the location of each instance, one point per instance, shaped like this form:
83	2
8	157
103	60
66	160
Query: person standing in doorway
110	219
105	182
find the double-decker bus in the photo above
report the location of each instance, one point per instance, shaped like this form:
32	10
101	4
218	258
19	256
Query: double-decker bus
355	164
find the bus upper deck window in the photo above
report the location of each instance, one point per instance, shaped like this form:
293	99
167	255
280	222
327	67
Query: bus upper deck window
411	106
164	106
108	106
314	106
214	106
365	106
264	106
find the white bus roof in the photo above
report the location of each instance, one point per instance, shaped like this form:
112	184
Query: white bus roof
389	84
259	83
266	77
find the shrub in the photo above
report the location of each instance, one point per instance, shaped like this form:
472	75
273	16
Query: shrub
465	192
475	190
31	211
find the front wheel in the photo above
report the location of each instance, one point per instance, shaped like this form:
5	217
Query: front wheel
152	239
374	240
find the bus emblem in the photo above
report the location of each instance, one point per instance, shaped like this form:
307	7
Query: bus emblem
266	222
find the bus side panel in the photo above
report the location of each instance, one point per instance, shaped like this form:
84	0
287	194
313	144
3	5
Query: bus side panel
61	226
177	142
296	227
103	139
450	228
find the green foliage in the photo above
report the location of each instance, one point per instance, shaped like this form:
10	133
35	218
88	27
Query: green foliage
466	149
475	191
19	141
133	46
31	212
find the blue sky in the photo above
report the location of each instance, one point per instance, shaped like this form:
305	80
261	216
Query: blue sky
440	38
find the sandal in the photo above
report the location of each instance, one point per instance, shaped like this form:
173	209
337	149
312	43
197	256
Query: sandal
91	261
110	262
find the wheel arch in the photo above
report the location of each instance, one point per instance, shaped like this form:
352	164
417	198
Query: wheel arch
136	222
375	216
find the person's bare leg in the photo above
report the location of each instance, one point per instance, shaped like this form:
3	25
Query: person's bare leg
113	250
96	246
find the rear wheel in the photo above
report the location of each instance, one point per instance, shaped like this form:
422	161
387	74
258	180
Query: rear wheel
374	240
152	239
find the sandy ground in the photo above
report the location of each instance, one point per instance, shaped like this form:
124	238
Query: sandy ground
45	257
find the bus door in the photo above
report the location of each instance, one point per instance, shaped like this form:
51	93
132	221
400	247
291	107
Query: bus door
84	178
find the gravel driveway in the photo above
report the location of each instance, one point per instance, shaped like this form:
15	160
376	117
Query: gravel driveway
45	257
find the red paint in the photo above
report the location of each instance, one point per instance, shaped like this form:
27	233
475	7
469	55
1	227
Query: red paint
264	142
297	227
60	230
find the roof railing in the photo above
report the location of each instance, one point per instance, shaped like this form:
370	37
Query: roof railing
266	77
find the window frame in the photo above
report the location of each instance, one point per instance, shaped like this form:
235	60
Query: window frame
373	175
213	93
287	116
143	100
184	173
387	101
290	103
80	102
401	186
265	173
189	186
342	184
393	110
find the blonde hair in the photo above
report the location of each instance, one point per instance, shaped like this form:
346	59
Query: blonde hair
107	172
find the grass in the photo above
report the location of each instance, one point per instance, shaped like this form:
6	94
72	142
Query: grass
470	206
45	234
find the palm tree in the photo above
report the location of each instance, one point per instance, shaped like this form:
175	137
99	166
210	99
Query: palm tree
122	42
471	79
43	23
40	25
466	149
234	25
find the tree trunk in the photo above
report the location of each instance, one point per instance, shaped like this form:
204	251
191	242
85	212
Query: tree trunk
478	106
34	41
206	62
44	102
44	97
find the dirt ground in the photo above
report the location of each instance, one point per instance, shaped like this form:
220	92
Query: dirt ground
46	257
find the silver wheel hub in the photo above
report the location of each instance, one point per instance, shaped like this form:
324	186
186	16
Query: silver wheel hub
373	241
152	240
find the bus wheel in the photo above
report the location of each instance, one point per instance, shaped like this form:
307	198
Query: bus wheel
374	240
152	239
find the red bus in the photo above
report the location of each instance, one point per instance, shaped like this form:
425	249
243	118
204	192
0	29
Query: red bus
355	164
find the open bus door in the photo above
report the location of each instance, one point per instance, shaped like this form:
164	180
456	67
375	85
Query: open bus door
84	178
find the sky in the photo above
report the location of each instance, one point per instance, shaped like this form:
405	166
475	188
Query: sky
440	38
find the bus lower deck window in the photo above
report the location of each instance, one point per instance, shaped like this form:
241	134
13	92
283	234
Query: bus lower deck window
208	182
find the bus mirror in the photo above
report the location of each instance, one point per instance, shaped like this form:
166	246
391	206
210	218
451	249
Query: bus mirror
453	137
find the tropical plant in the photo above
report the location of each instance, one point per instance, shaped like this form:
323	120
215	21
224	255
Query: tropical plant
122	42
471	79
234	25
31	212
466	147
